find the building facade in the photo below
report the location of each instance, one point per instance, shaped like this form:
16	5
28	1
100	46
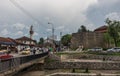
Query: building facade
26	40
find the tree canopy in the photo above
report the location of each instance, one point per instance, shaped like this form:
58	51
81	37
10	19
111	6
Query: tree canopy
66	39
41	41
114	30
82	29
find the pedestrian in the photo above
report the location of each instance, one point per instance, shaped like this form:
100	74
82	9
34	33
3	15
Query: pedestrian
51	50
34	51
39	50
31	50
42	49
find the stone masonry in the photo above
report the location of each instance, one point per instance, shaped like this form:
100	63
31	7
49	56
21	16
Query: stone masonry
87	39
83	65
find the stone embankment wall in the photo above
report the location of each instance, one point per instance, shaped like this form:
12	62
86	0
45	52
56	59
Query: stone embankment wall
103	65
88	56
101	62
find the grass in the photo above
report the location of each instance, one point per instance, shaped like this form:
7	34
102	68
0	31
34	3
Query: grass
101	53
48	60
63	53
75	70
80	71
89	52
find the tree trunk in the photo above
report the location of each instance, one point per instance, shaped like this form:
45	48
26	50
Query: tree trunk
115	41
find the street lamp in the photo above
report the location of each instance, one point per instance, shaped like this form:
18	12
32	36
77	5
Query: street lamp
52	30
52	34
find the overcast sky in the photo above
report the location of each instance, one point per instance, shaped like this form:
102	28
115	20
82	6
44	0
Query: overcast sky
16	16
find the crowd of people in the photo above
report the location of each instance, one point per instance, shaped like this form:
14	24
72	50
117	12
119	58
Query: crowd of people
36	50
30	49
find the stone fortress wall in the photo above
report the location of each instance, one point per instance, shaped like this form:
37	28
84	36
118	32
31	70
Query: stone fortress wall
87	39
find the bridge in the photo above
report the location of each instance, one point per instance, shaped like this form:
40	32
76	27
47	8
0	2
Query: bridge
13	65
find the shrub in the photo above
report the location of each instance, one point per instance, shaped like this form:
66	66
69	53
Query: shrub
73	70
86	70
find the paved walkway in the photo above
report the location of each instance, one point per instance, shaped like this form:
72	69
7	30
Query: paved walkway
82	74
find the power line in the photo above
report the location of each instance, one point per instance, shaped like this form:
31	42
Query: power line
25	11
30	15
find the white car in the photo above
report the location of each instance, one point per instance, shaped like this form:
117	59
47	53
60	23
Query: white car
95	49
115	49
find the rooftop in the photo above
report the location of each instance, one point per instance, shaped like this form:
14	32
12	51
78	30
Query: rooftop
101	29
2	39
24	38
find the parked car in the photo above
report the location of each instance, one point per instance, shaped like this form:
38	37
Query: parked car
5	56
3	51
115	49
96	49
25	52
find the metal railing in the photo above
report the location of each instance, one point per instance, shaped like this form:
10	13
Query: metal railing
8	64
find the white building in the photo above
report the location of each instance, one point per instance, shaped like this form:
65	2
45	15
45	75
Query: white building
26	40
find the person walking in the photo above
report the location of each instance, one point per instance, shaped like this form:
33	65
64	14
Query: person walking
34	51
51	50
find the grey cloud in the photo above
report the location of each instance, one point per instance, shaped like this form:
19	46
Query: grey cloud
96	13
68	13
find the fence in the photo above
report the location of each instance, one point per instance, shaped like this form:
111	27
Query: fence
8	64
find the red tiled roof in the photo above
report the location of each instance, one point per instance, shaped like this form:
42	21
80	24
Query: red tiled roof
101	29
16	41
2	39
24	38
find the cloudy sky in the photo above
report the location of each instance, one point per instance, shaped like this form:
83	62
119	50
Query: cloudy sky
16	16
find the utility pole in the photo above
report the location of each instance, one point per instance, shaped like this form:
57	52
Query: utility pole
52	31
60	39
60	34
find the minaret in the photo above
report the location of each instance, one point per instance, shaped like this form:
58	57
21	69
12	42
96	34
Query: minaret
31	32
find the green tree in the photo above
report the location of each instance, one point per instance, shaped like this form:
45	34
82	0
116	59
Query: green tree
66	39
41	41
82	29
108	40
114	30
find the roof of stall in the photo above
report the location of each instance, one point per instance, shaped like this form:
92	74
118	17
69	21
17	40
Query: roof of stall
6	41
